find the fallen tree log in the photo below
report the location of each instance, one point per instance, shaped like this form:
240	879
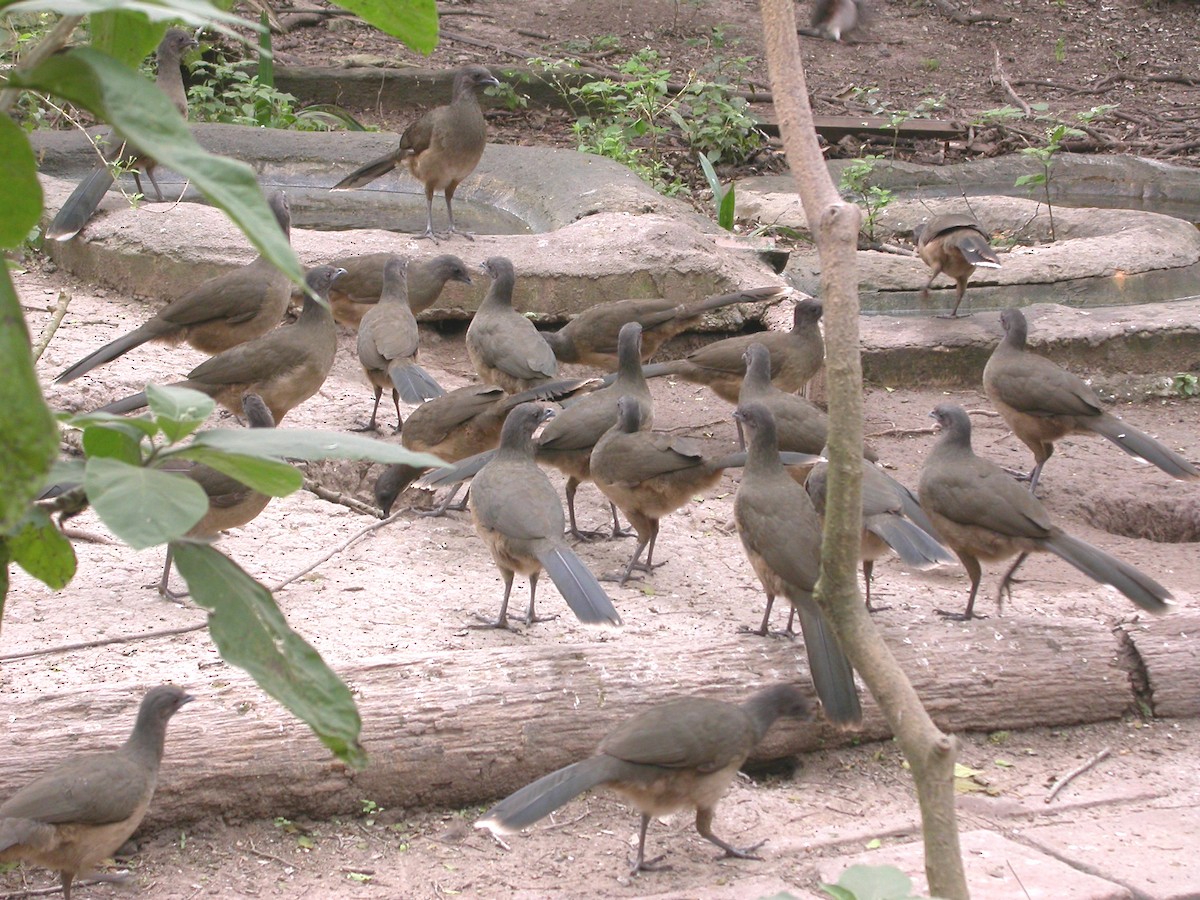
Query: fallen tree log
453	728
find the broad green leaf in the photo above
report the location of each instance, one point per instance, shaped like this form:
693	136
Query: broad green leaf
28	433
113	443
710	175
837	893
876	883
20	193
142	113
40	549
267	476
65	471
134	426
143	507
725	215
178	411
414	22
250	632
195	13
298	443
128	37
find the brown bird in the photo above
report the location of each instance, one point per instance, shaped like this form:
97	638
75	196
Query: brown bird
231	504
442	147
80	812
83	201
982	513
520	518
892	520
781	535
505	347
285	367
360	288
591	337
1042	403
387	346
957	245
675	755
831	19
796	356
217	314
462	423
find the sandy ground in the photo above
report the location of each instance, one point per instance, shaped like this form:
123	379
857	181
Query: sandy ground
833	803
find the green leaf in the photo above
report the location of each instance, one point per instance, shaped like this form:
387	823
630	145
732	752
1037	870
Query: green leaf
103	441
267	476
250	632
195	13
134	426
178	411
142	113
874	844
28	433
725	214
837	893
20	193
412	21
143	507
710	175
65	471
299	443
128	37
876	883
40	549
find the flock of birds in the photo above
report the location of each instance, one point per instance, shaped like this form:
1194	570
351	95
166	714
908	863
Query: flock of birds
679	754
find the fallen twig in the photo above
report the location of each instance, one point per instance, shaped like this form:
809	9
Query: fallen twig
1008	88
43	341
1077	771
375	526
336	497
103	642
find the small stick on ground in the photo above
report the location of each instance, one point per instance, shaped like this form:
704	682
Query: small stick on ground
1077	771
1008	88
335	497
60	310
338	549
103	642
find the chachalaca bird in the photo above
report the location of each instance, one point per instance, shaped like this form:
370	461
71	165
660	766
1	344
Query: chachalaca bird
1042	403
82	203
284	367
387	346
462	423
215	315
520	518
981	512
442	147
892	520
675	755
796	356
650	474
505	347
591	337
81	811
567	442
800	426
781	535
360	288
831	19
957	245
231	504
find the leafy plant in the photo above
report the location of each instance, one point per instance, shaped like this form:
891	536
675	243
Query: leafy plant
871	883
232	93
856	184
1185	385
1045	156
723	196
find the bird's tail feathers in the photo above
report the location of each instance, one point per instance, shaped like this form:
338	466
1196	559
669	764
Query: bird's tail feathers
552	390
366	174
537	800
457	472
414	384
579	587
831	672
108	353
753	295
975	250
126	404
913	544
1095	563
1141	445
74	214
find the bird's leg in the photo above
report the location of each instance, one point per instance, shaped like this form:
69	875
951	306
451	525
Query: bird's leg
868	571
154	181
137	180
1035	475
164	589
649	565
428	234
1007	582
444	507
764	630
742	434
976	574
618	531
641	864
962	288
571	488
450	213
372	426
530	618
704	819
925	290
396	403
625	576
502	620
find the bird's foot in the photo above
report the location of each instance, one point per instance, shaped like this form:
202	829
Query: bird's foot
533	620
959	616
483	623
1018	474
953	316
619	532
167	594
441	509
124	877
586	536
649	865
871	608
369	426
469	235
766	632
620	577
427	235
740	852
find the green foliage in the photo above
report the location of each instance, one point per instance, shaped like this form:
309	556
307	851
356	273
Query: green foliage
855	184
1060	50
235	94
1185	385
871	883
508	95
1044	156
723	196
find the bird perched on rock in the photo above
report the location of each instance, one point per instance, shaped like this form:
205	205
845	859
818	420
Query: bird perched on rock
284	367
957	245
360	288
1042	403
442	147
591	337
82	203
505	347
833	19
982	513
781	535
387	346
80	812
520	518
892	519
675	755
796	356
215	315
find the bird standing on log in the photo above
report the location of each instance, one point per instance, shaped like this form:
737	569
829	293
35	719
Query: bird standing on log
442	147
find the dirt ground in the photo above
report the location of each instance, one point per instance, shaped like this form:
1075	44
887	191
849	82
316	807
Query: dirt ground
834	803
